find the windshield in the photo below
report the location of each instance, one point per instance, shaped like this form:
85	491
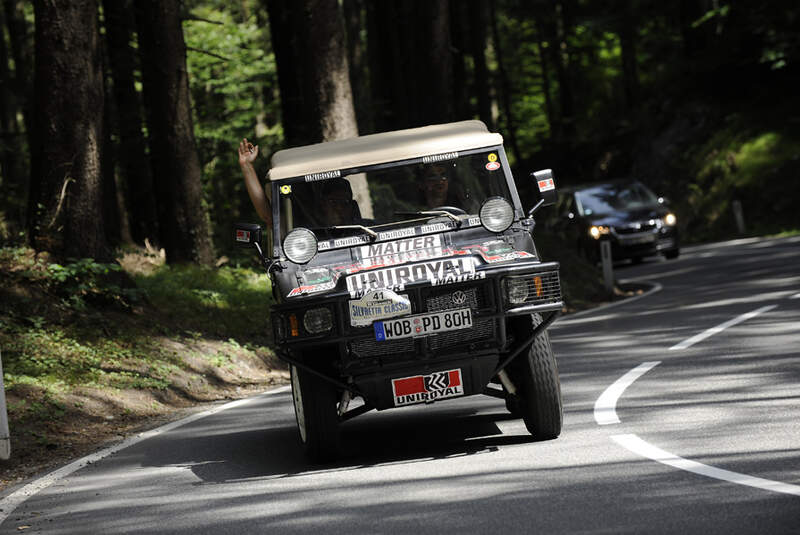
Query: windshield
606	199
389	196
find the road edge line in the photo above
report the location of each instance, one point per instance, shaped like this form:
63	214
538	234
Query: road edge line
699	337
9	503
638	446
605	408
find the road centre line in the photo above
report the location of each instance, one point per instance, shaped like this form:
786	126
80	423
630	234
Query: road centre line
640	447
16	498
795	296
605	411
719	328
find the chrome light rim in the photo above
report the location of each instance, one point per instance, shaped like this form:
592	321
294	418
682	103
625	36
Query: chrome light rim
496	214
300	245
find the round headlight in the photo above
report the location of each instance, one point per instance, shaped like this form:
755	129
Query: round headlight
318	320
670	219
516	290
300	245
496	214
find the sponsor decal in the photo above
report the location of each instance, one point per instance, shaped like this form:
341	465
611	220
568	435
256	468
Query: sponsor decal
492	157
286	189
473	221
396	278
427	388
314	281
378	304
342	242
440	157
400	246
243	235
436	227
394	234
315	177
546	185
323	246
493	166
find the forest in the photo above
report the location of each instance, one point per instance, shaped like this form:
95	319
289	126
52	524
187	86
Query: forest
120	119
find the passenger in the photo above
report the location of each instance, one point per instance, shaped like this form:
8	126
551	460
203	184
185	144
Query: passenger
436	190
247	155
338	206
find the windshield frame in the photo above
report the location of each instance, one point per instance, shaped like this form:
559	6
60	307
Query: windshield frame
276	185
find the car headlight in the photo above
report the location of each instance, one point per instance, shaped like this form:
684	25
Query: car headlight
496	214
318	320
516	290
300	245
670	220
598	230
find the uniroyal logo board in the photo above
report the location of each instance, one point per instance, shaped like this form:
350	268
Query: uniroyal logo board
427	388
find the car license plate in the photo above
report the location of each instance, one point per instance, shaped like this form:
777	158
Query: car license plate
639	238
423	324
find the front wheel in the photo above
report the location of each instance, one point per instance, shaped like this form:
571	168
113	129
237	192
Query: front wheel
316	414
672	254
539	390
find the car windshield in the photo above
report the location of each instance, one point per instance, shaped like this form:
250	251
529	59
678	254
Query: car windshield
388	196
609	198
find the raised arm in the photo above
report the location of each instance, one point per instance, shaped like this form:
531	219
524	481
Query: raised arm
247	155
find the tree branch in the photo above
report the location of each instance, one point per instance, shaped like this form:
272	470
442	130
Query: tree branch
207	53
190	16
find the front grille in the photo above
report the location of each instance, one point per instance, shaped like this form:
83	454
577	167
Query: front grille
482	329
474	298
543	288
641	227
372	348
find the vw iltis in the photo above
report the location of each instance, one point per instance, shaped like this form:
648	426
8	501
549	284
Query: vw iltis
404	271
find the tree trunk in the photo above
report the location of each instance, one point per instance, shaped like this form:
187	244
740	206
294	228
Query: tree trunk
627	39
461	43
183	216
136	179
66	175
356	59
320	49
511	130
478	22
10	173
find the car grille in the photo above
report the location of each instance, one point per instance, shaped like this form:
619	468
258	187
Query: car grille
482	329
640	227
474	298
372	348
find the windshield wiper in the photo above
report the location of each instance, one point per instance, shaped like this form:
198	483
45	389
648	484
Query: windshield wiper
372	233
434	213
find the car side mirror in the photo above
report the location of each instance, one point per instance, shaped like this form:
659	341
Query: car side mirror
247	234
547	189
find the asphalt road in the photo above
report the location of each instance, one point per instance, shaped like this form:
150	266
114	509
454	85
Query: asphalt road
721	409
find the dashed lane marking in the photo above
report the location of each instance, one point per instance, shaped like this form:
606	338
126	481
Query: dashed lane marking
605	408
645	449
719	328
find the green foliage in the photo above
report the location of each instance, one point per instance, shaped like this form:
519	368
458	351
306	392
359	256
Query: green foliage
228	302
234	95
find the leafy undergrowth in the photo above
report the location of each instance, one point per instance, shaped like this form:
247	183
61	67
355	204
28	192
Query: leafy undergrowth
91	351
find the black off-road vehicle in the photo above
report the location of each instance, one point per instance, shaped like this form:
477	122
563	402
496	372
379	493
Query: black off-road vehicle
404	271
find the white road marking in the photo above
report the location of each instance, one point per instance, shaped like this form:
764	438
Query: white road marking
640	447
605	411
16	498
719	328
795	296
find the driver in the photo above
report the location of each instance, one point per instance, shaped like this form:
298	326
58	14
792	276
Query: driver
434	187
338	206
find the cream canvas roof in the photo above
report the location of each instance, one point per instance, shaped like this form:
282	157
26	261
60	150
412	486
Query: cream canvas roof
381	148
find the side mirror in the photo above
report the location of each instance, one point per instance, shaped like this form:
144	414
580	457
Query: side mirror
547	189
247	234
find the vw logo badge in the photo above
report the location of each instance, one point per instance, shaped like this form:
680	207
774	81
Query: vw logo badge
459	297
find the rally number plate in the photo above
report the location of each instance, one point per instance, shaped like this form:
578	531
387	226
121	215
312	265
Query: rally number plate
423	324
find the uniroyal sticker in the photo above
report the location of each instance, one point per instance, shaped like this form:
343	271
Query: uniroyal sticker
243	235
378	304
438	272
493	166
440	157
546	184
394	234
474	221
436	227
315	177
427	388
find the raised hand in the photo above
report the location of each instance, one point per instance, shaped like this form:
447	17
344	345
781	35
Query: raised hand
247	152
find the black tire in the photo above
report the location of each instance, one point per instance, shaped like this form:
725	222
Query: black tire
672	254
538	388
316	415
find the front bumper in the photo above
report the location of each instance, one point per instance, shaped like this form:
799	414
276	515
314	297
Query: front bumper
356	352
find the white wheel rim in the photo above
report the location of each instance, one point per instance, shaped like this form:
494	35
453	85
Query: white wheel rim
297	396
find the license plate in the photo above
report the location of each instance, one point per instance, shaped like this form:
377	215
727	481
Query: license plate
638	238
423	324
